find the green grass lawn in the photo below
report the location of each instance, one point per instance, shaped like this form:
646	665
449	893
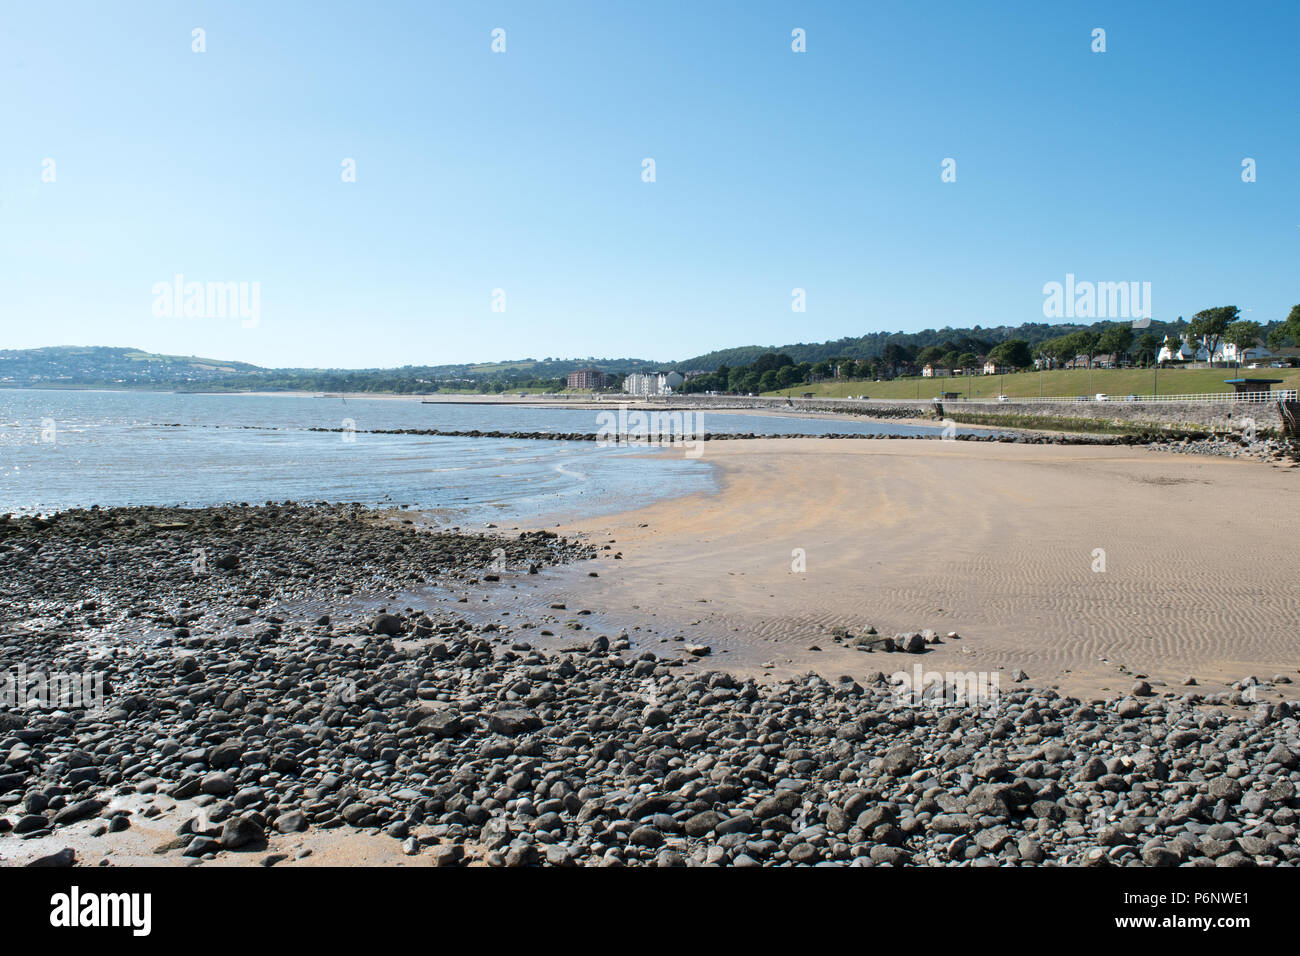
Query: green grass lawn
180	360
1058	382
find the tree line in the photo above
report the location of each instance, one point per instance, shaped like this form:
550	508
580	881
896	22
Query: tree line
774	370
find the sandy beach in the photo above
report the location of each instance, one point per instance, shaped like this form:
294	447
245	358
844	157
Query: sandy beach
1003	544
337	685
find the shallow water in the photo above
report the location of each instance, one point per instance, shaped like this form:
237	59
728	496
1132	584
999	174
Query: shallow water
62	449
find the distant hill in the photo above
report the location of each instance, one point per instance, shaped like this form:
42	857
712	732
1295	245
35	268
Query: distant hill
102	365
90	366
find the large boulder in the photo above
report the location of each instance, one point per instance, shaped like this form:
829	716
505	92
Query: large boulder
512	723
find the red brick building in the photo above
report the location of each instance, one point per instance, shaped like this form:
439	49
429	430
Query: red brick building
586	378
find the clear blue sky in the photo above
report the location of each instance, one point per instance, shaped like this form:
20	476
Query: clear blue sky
522	171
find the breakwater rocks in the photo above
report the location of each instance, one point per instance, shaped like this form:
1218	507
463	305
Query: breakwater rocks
1273	450
465	748
676	437
1229	443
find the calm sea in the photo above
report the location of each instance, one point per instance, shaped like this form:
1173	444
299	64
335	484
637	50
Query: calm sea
62	449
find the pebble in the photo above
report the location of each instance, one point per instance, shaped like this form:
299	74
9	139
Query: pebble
432	731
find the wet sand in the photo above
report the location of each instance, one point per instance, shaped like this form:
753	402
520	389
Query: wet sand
1003	544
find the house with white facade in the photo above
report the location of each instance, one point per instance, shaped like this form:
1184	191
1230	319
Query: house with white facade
935	371
1224	352
1184	353
1227	352
647	384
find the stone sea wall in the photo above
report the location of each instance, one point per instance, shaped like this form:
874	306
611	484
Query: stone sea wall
1219	416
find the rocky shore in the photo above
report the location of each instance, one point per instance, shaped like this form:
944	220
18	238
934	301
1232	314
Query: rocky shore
1273	450
1231	444
464	745
1181	438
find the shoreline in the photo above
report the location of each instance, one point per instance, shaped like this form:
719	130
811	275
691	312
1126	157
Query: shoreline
1043	425
300	698
668	622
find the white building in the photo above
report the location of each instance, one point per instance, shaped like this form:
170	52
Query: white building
647	384
935	371
1227	352
1189	351
1184	352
